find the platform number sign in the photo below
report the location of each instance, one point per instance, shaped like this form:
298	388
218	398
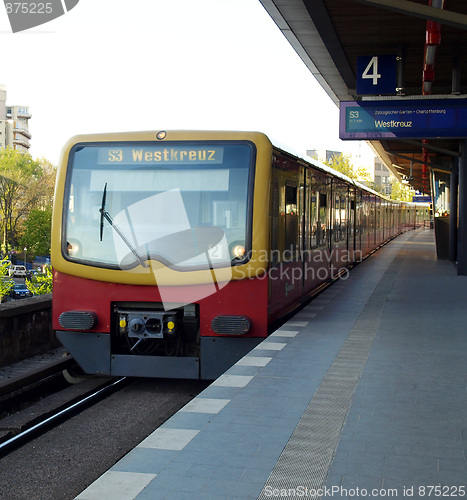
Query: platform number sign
376	75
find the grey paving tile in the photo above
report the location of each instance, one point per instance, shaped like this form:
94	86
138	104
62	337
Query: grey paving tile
149	493
213	457
399	472
265	463
361	482
195	496
184	420
177	482
145	460
361	457
451	478
448	464
220	392
225	471
246	489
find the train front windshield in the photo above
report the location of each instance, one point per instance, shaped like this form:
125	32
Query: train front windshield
187	205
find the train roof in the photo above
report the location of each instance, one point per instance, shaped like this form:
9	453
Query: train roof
325	168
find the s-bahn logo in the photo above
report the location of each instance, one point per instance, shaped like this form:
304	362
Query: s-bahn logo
28	14
157	229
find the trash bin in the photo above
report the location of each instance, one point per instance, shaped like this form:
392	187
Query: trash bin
442	237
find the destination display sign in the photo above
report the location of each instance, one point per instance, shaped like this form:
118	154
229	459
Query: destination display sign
421	199
157	155
415	119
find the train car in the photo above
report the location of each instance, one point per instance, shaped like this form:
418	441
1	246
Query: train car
174	252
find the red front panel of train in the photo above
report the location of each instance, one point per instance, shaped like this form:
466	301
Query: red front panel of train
238	298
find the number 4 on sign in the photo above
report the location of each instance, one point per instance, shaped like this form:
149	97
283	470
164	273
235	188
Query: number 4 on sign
371	71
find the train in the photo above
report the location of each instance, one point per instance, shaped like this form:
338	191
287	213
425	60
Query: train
175	253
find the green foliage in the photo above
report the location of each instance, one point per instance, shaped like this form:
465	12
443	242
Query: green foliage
343	164
400	192
37	231
5	283
41	283
25	184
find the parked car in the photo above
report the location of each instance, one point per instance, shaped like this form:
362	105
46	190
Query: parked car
17	272
20	291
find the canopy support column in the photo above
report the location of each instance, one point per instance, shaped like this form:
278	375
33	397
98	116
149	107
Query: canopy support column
462	232
453	209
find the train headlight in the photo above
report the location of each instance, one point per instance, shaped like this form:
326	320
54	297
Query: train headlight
72	248
238	251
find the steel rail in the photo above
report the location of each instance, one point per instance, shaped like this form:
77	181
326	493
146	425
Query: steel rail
60	416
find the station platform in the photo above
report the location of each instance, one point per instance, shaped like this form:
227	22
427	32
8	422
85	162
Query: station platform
362	394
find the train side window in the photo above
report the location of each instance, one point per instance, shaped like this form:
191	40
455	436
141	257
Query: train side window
337	219
291	218
314	219
291	200
322	223
344	215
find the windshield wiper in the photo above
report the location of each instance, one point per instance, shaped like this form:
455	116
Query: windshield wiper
105	215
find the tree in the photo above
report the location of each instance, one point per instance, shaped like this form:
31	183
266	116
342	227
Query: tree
41	283
19	190
25	184
400	192
342	163
5	284
37	231
47	183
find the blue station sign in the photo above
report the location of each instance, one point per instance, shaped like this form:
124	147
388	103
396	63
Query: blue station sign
414	119
421	199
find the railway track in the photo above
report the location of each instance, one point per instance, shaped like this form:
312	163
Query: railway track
46	387
46	422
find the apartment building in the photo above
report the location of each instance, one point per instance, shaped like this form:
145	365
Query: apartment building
324	155
383	177
14	124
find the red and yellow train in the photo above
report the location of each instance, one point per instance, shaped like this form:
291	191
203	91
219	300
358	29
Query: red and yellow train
174	252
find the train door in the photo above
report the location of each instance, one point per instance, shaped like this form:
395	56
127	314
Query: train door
291	220
379	221
366	223
285	276
358	224
291	279
339	256
384	222
316	258
372	224
326	214
308	204
351	234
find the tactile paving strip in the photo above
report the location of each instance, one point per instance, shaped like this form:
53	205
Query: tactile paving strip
302	466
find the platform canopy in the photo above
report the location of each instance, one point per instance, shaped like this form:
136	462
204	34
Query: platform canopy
426	38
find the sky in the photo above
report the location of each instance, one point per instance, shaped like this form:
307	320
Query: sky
128	65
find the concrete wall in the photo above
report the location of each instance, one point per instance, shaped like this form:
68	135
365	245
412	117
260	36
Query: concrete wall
26	328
